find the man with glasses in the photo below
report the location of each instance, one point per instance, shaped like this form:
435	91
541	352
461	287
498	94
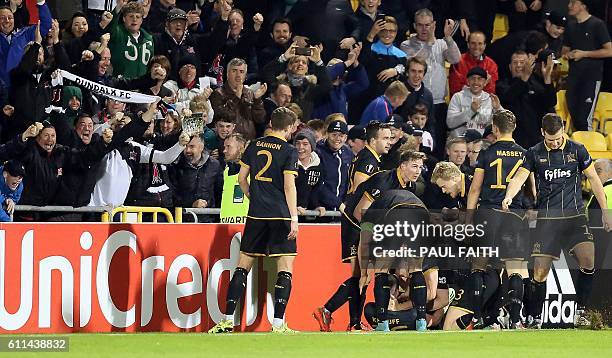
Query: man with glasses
435	52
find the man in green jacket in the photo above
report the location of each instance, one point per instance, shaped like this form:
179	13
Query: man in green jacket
131	46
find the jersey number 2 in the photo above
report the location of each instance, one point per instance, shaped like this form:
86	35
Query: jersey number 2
499	164
259	176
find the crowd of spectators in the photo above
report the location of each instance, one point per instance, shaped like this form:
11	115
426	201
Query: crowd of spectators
427	67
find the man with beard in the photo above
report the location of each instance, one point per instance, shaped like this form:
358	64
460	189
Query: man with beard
281	36
234	204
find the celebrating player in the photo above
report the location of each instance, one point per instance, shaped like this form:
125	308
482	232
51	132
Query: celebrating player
272	222
558	165
494	169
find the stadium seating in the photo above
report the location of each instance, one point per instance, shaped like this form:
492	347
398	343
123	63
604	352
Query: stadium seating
603	112
562	111
500	26
593	141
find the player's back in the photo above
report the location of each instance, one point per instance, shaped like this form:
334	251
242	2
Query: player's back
499	163
268	159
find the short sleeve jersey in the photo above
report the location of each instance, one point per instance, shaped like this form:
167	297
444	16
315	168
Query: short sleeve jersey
558	175
268	159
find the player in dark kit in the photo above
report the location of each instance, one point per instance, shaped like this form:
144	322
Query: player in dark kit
367	161
401	178
506	230
558	164
452	181
272	222
391	208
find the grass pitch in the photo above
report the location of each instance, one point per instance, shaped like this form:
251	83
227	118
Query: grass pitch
489	344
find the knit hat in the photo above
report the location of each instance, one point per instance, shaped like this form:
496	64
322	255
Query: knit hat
14	168
337	126
306	134
176	14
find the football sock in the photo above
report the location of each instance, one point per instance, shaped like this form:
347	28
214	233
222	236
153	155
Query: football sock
418	293
235	290
584	285
282	290
537	295
354	301
515	295
526	295
476	286
382	295
342	294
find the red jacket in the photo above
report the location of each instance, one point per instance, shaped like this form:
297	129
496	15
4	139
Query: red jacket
458	73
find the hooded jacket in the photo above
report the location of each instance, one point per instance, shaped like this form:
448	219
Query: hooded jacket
461	117
308	182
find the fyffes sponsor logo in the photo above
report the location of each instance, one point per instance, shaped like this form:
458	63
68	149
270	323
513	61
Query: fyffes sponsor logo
556	174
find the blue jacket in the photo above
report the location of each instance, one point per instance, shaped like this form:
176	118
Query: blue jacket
378	110
11	52
336	102
6	193
335	168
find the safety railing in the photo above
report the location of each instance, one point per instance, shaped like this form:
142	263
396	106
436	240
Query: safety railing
108	213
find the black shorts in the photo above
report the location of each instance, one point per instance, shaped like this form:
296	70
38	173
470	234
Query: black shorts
398	320
349	237
506	231
491	295
267	238
554	235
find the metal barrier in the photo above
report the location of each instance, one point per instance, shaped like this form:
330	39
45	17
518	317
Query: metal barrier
108	212
138	210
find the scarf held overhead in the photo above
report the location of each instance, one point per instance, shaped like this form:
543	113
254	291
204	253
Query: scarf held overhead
99	89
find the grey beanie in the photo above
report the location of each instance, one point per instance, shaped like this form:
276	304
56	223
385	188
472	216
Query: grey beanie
306	134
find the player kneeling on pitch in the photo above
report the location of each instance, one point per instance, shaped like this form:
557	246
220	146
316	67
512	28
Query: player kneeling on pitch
272	222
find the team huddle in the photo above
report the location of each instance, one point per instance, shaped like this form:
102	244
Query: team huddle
421	292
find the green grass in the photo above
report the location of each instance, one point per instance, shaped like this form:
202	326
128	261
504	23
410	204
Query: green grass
488	344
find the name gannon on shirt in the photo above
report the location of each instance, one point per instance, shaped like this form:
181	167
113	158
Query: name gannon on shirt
275	146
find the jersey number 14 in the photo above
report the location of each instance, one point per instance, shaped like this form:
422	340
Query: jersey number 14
499	164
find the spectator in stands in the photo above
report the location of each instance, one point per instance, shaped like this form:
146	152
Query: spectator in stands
224	127
349	79
175	42
122	164
475	57
529	94
247	105
417	69
456	150
419	118
293	69
501	51
525	15
194	176
473	107
435	52
237	42
131	45
317	126
70	109
157	14
553	27
473	139
356	139
383	106
586	44
234	204
279	41
13	40
400	130
309	179
336	157
367	14
77	35
280	96
19	10
383	62
11	187
188	86
32	90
